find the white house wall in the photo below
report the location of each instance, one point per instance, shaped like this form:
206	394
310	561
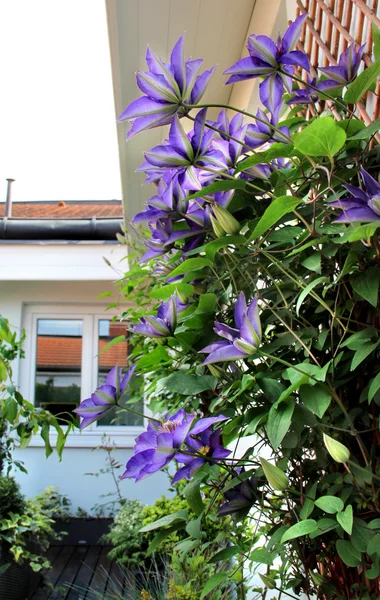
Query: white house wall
69	475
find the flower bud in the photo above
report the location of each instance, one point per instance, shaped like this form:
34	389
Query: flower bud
337	451
218	230
276	478
225	219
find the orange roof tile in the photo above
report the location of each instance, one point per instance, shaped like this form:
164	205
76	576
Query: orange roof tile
66	352
64	210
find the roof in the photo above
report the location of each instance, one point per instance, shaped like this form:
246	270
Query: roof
64	210
62	353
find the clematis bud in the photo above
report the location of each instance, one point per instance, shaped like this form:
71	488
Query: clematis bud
337	451
225	219
276	478
218	229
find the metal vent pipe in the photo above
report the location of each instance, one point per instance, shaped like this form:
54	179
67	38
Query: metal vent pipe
8	201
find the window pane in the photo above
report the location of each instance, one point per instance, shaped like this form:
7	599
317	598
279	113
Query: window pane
117	355
58	365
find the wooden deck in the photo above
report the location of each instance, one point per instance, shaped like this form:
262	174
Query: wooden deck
81	572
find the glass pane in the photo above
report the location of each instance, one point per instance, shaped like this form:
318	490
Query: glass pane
58	365
116	355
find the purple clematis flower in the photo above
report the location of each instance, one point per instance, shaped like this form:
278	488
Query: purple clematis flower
306	95
239	498
166	321
273	61
227	128
168	88
203	445
239	342
159	243
262	132
157	446
364	205
105	397
170	200
346	70
188	153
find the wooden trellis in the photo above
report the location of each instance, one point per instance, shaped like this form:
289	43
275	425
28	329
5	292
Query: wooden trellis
331	26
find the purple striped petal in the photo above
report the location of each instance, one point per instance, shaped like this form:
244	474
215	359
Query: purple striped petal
357	192
240	310
200	85
253	316
204	424
177	62
297	58
338	74
127	378
271	91
292	34
190	179
143	107
345	203
224	354
263	48
214	346
364	214
166	156
226	331
179	139
192	68
136	464
246	68
150	122
372	186
156	87
199	127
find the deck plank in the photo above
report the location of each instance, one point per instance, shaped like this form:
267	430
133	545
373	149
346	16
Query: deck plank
62	556
69	573
85	574
99	581
116	579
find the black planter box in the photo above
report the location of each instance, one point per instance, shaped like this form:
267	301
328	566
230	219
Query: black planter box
82	531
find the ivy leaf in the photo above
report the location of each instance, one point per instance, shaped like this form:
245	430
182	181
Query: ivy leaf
279	419
345	519
349	555
323	137
362	83
299	529
213	583
316	398
330	504
275	211
366	285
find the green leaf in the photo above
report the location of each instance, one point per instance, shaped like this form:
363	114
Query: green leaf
362	354
363	232
362	83
207	303
276	478
330	504
214	582
193	497
313	262
275	211
323	137
193	528
366	133
345	519
277	150
219	186
45	436
279	419
361	536
269	582
307	291
180	515
160	537
374	545
164	292
10	409
324	525
117	340
349	555
374	387
376	41
225	554
316	398
308	506
366	285
228	240
262	556
191	264
188	385
299	529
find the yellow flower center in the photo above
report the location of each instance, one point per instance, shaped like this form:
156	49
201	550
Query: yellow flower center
204	450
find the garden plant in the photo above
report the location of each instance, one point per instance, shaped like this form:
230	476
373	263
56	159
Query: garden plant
256	316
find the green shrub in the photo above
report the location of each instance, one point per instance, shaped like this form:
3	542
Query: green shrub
11	499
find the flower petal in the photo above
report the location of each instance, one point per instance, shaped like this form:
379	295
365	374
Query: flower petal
364	214
372	186
224	354
240	310
296	58
143	107
263	48
205	423
166	156
271	91
292	34
179	140
177	62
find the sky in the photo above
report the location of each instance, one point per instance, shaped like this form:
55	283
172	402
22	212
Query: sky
57	120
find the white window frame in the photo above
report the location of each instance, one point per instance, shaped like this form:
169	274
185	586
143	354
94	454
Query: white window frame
122	435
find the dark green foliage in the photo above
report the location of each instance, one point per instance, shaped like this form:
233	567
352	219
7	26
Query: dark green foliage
11	499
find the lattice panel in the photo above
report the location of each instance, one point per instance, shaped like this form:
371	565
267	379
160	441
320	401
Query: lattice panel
331	26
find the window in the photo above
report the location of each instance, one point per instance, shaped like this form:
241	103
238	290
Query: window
67	358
